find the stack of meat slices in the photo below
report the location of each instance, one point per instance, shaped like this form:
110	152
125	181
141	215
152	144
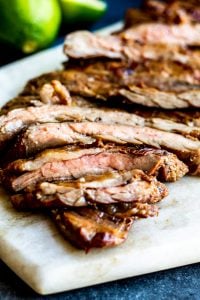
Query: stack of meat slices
93	143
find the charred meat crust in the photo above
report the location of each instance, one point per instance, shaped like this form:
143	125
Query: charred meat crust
87	228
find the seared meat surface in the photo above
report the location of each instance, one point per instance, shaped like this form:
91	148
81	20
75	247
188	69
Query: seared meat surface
173	85
88	228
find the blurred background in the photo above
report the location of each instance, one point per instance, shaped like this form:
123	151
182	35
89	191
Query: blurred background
28	26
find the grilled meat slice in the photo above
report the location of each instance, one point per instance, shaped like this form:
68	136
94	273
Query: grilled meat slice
91	45
185	148
166	166
62	164
118	74
116	187
105	80
19	102
97	78
15	120
189	117
99	46
158	33
88	228
49	135
172	11
151	97
168	12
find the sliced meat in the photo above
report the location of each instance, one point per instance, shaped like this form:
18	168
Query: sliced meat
189	117
166	166
155	33
59	164
128	187
159	163
173	11
19	102
154	98
49	135
91	45
129	49
135	135
161	52
171	126
51	155
103	79
88	228
185	148
15	120
167	12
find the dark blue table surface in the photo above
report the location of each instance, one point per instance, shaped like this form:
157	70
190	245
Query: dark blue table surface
179	283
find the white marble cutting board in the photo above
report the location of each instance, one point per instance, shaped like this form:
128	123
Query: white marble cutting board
32	247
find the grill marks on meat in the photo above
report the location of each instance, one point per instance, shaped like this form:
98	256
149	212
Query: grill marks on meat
87	228
128	187
63	164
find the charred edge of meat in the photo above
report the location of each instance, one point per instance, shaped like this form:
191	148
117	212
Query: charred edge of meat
133	210
192	161
88	228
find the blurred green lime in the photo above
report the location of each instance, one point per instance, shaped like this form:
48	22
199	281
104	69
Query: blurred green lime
29	25
80	11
